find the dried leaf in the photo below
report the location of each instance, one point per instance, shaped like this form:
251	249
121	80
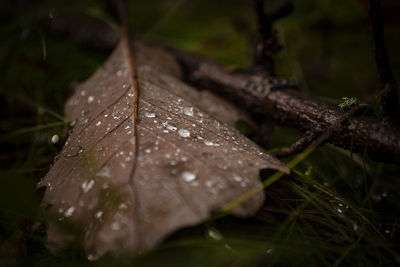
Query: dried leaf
189	164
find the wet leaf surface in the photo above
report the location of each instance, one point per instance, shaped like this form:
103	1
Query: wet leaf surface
189	164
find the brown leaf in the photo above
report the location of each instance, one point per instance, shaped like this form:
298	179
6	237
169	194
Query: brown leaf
189	164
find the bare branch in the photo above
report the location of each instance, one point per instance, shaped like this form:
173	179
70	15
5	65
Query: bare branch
390	101
296	147
293	108
267	41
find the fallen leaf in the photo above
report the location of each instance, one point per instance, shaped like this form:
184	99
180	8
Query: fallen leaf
189	164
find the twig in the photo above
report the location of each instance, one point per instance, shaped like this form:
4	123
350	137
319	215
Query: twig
390	101
267	41
298	146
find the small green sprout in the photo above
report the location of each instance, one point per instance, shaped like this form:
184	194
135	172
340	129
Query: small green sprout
348	102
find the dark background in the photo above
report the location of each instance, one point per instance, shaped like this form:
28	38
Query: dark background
328	50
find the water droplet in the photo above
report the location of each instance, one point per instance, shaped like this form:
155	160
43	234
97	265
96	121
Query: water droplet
55	138
237	178
184	133
92	257
90	99
308	171
189	176
150	115
209	143
269	250
171	127
227	246
69	212
98	123
98	214
119	73
188	111
123	206
214	234
83	92
116	226
87	185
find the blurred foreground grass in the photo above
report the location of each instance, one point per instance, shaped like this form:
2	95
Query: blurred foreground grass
319	215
